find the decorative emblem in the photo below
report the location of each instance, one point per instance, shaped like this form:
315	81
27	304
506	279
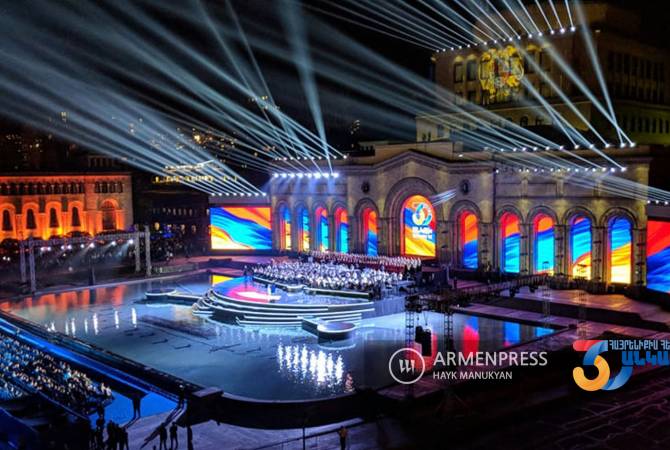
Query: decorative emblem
465	187
501	71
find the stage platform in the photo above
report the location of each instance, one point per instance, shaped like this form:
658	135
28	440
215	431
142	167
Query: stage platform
245	301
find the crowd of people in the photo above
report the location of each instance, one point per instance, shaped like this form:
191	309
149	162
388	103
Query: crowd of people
328	275
33	369
401	264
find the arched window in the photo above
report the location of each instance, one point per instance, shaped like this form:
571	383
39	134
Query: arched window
369	221
108	215
619	232
510	233
468	237
75	221
285	228
304	230
53	218
580	247
342	227
7	221
418	227
322	229
31	223
543	246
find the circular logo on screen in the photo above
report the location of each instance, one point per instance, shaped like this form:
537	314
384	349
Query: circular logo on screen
406	365
422	215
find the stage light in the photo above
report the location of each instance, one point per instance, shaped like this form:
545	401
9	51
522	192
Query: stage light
336	175
275	175
309	175
576	146
562	30
113	243
573	29
608	145
592	146
623	169
283	175
622	145
632	145
530	36
344	157
81	246
300	175
317	175
263	194
131	241
326	175
612	169
291	175
91	245
551	31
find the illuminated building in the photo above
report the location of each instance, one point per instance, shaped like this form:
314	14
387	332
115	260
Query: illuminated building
55	204
636	73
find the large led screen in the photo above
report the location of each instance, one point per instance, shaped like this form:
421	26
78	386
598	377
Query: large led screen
544	244
419	224
620	250
469	236
370	224
511	243
658	255
580	247
241	228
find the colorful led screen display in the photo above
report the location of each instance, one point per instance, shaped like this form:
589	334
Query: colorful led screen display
620	250
469	236
304	231
580	247
370	231
241	228
343	231
658	255
286	228
543	227
511	241
322	220
419	224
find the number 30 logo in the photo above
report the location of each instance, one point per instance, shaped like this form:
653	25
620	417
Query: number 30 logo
592	357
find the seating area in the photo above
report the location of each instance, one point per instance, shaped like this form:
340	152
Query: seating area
394	264
328	275
26	368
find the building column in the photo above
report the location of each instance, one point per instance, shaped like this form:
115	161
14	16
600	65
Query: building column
486	244
639	269
560	248
598	253
525	261
384	238
445	250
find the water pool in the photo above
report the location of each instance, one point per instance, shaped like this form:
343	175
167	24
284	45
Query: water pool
270	364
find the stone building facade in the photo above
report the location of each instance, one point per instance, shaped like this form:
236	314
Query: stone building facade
381	183
46	205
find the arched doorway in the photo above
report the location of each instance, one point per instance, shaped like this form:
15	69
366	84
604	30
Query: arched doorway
580	247
342	230
543	244
370	235
108	215
510	235
418	227
620	238
468	239
322	229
